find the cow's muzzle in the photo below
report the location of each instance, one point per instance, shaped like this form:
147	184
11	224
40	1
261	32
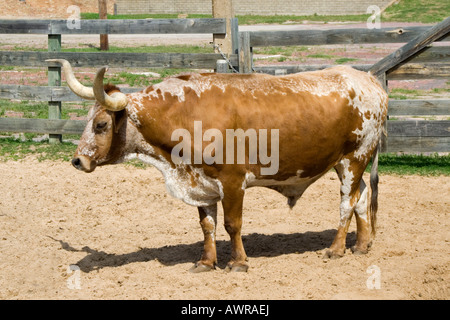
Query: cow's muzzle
84	163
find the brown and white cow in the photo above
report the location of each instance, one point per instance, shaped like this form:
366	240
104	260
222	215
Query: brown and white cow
325	119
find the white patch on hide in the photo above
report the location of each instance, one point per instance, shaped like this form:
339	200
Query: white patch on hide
206	191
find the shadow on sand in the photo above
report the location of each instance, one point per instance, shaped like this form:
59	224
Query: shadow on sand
256	245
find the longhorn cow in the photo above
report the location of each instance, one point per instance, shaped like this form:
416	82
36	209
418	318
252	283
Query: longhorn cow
324	119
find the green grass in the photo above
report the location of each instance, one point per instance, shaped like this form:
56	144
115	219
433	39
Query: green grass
425	11
88	15
433	165
285	19
140	80
344	60
402	94
320	56
39	110
297	53
243	19
14	149
287	50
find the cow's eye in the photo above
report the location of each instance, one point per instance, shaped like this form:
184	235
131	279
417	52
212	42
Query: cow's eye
100	126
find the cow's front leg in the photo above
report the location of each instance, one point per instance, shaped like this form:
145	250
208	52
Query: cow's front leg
208	222
232	209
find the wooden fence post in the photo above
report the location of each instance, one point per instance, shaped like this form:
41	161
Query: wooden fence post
384	135
103	14
224	9
235	35
54	79
245	53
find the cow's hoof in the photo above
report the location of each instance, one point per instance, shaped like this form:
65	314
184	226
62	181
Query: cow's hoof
199	267
359	251
330	254
237	267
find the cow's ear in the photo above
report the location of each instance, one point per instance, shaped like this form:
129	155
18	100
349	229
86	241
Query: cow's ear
119	118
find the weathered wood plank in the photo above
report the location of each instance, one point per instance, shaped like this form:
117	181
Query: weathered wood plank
288	69
418	71
419	107
383	144
412	47
245	53
114	59
336	36
44	93
66	95
21	92
115	26
409	71
51	126
418	144
431	55
25	26
419	128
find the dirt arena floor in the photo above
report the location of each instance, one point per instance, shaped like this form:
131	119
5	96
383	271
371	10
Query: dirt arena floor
116	234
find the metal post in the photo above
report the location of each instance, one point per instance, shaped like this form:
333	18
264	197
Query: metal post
222	66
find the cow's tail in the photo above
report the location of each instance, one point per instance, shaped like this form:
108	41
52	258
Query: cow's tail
373	208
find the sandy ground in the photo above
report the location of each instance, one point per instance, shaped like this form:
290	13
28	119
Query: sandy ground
117	234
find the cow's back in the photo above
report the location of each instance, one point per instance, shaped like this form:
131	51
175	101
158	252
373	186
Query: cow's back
320	115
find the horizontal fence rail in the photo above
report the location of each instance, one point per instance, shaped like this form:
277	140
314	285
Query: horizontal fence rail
408	71
113	59
403	135
114	26
45	93
417	144
51	126
434	107
418	128
335	36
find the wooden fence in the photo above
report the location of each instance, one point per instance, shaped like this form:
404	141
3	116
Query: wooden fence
429	63
406	136
54	93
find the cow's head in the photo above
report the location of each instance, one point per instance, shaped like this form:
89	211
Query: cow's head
104	135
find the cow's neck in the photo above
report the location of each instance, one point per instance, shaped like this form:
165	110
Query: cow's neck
184	182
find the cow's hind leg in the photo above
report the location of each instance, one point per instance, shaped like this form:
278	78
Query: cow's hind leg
363	241
232	209
350	174
208	222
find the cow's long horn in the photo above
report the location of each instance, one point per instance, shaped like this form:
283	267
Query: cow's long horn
115	102
74	85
